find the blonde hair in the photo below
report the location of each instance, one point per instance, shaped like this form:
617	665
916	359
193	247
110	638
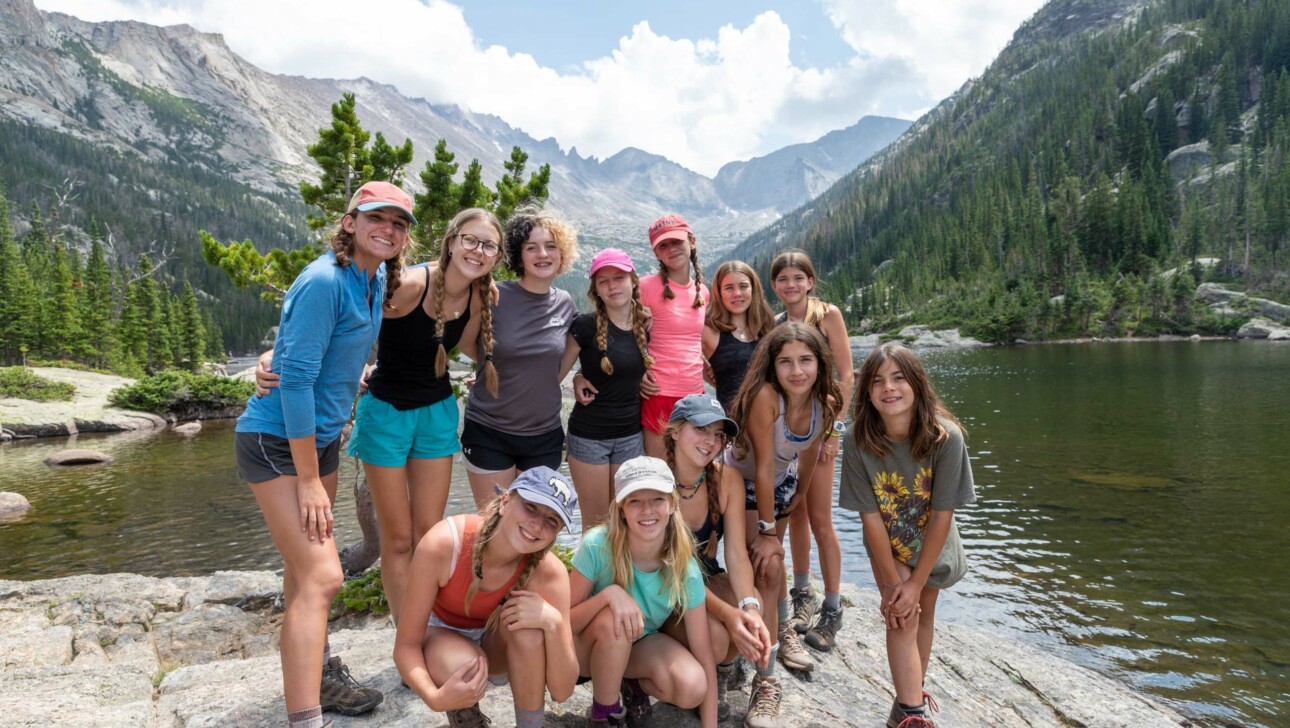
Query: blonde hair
678	549
639	322
520	225
342	244
483	287
760	318
711	475
698	275
816	309
492	516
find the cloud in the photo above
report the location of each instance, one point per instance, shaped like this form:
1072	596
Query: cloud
700	102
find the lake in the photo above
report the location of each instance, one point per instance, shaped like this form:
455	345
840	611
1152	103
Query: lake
1131	512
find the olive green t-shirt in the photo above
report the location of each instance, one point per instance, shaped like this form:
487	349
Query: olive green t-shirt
905	491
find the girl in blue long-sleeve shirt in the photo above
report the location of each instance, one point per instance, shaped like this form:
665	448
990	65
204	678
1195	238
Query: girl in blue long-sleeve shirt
288	443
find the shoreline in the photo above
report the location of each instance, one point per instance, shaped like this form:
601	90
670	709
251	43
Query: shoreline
129	650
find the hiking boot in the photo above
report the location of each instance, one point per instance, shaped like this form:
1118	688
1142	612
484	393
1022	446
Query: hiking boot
791	652
724	673
898	719
636	703
342	693
471	717
763	706
821	634
803	608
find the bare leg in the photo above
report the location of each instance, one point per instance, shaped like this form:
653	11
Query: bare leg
723	648
522	655
654	444
903	656
481	484
602	656
668	671
389	488
594	484
819	509
926	625
311	578
799	525
772	586
444	651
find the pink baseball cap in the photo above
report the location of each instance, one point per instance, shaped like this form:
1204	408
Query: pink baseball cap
668	227
375	195
612	258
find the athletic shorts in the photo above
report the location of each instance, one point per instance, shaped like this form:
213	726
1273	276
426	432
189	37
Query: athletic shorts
386	436
656	411
474	634
784	493
614	451
489	450
262	457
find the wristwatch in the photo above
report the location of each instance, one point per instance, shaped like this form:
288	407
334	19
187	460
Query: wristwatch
765	526
839	427
750	601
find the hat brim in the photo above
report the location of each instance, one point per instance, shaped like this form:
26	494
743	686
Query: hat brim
624	267
670	235
543	499
657	484
705	419
377	205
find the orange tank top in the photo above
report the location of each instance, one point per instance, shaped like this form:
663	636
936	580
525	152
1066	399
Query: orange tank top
450	604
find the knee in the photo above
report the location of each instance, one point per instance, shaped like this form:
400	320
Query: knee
908	632
602	629
522	644
689	683
721	642
396	542
321	581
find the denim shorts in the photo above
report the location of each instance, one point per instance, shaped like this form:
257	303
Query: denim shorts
262	457
614	451
784	492
388	437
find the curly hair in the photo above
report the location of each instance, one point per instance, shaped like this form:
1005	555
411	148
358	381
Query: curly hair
342	244
639	325
483	287
759	318
926	431
520	225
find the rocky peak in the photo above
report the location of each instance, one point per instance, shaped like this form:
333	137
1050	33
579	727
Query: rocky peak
21	24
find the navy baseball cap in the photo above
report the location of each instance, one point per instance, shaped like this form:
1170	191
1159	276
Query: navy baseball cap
546	487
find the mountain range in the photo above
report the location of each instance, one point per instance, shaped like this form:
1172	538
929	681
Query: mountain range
177	95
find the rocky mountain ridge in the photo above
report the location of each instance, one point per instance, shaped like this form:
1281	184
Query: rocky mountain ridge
177	95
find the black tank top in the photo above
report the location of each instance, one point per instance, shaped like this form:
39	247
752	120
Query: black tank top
729	364
406	350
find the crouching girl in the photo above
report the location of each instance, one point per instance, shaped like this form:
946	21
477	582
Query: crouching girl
486	597
629	577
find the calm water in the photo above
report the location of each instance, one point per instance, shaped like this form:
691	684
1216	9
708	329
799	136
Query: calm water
1132	513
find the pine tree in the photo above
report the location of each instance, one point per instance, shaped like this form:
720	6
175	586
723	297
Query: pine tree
62	332
17	296
438	203
192	331
96	306
513	191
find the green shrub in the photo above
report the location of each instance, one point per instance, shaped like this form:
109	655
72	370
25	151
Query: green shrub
182	394
22	383
366	594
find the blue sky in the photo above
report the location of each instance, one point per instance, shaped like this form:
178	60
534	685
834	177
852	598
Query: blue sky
703	82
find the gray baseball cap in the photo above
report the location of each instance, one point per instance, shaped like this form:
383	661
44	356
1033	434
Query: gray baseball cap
702	410
546	487
642	473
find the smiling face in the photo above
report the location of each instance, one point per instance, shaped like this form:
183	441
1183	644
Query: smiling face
796	368
475	263
890	391
614	286
792	285
675	254
699	445
647	512
379	235
736	292
539	255
529	527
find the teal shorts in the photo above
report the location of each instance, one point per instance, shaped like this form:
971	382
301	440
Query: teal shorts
389	437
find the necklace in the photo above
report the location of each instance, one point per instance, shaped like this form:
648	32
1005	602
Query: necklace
694	489
741	334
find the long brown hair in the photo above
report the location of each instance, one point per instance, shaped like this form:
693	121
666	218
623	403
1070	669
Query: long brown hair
483	288
761	371
816	309
698	275
711	476
492	516
342	244
639	324
926	431
760	319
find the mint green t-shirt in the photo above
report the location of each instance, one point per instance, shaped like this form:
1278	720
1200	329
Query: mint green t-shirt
593	561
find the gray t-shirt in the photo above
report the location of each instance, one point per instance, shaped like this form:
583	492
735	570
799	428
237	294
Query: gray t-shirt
528	340
905	491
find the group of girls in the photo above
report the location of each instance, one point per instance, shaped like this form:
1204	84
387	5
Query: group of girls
662	473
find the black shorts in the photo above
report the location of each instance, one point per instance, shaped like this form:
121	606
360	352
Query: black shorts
489	450
262	457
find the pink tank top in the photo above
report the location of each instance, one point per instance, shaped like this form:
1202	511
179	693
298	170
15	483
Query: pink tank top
675	336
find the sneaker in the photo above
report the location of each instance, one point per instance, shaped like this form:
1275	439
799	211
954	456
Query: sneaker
636	702
791	652
763	706
471	717
613	720
803	608
342	693
822	633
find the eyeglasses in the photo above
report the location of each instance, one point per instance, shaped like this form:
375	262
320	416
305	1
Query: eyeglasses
487	247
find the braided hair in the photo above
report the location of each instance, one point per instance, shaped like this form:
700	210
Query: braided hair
698	275
492	516
483	286
638	325
711	475
342	244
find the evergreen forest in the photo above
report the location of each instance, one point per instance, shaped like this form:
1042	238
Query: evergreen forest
1084	185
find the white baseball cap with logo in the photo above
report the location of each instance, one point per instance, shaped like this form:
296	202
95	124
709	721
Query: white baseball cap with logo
642	473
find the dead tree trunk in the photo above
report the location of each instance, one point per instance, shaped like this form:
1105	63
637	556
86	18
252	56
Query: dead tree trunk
357	557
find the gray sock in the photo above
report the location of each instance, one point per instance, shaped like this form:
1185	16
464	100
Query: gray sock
529	718
307	718
801	581
785	610
833	601
769	669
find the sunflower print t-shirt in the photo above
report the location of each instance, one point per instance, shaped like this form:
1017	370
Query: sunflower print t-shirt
906	491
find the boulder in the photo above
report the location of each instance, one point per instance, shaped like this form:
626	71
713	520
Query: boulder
1261	328
1191	159
13	505
78	457
208	633
110	695
188	429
